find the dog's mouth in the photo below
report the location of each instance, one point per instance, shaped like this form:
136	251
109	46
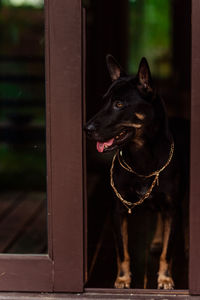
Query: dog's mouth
113	142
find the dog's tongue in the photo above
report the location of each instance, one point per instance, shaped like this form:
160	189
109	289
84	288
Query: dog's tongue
100	146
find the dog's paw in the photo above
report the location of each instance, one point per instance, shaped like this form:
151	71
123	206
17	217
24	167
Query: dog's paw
123	282
165	282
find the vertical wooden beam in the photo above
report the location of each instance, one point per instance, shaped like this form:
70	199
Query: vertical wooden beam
194	264
84	144
65	92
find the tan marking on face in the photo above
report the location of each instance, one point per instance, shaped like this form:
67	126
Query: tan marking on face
138	140
140	116
139	143
134	125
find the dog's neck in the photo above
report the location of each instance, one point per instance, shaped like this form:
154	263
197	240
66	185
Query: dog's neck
147	156
149	149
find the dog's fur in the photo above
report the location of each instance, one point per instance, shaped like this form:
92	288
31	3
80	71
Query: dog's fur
133	105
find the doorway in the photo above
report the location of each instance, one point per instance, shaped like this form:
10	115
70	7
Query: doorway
130	30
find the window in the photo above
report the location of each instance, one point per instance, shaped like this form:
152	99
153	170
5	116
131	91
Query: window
50	271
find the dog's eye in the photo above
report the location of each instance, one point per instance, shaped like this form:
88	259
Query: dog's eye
119	104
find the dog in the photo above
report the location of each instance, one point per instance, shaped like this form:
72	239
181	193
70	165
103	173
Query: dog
133	124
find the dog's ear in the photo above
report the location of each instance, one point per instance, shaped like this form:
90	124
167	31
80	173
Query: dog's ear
114	68
144	77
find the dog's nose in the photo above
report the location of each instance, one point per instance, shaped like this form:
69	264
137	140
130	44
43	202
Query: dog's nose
90	128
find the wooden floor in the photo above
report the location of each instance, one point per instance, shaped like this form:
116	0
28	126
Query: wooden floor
23	222
106	296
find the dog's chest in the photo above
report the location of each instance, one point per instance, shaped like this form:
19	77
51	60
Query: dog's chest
133	188
139	188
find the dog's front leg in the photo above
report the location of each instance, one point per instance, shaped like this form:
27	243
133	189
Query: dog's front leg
123	279
165	280
157	242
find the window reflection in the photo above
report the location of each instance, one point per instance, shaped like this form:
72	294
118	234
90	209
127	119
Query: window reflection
150	33
22	128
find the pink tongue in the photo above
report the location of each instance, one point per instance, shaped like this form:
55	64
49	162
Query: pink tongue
100	146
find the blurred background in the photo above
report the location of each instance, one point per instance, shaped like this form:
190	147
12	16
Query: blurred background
23	206
129	30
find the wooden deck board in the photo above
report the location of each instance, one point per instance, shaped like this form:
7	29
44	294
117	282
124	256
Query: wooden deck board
7	203
34	235
23	222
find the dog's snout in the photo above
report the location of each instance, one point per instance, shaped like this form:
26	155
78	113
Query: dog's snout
90	128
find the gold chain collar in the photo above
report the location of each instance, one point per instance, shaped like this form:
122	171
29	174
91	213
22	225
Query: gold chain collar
123	164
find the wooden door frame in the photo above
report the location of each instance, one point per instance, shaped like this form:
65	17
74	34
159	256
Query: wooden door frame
194	262
64	135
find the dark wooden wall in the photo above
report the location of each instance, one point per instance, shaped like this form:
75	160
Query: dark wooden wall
106	33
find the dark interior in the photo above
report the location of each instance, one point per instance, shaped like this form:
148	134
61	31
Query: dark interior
129	30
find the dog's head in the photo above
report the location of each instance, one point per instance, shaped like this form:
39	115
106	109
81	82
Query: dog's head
128	108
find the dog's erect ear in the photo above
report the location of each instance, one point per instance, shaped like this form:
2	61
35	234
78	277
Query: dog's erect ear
144	77
114	68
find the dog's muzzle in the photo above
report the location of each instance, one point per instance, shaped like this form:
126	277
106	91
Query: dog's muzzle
90	129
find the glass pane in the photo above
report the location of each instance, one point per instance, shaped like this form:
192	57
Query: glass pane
150	33
23	206
130	30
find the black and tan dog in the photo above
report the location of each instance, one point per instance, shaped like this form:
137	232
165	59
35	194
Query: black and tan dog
134	125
